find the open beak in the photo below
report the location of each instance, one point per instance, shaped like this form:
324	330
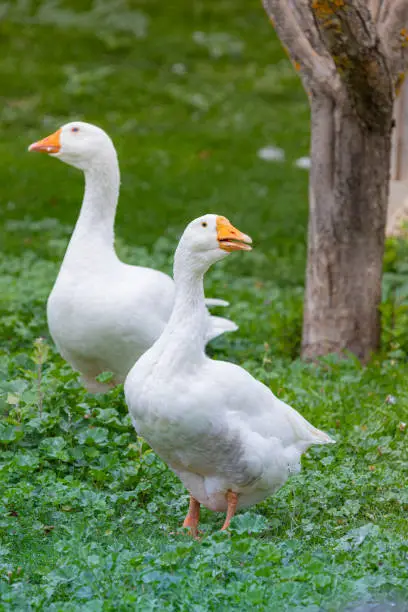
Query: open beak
51	144
230	238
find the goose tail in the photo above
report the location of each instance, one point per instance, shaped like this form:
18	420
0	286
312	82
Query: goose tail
321	437
305	433
218	326
211	302
311	436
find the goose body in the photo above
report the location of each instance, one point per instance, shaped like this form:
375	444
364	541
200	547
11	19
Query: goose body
230	440
102	313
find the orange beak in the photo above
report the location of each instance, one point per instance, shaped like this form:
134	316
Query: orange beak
51	144
230	238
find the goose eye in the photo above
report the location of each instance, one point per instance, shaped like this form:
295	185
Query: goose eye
204	224
75	129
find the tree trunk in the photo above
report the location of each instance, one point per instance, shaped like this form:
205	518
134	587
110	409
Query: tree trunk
351	56
348	207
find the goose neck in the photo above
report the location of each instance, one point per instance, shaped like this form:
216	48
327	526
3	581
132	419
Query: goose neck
95	226
183	340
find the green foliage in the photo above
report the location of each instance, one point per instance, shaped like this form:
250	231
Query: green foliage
90	516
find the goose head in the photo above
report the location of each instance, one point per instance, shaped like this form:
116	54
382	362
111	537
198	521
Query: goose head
77	143
209	239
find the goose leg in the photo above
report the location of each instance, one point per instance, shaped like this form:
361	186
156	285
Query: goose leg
232	499
193	516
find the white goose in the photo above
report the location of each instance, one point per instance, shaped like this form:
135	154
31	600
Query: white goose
103	314
228	438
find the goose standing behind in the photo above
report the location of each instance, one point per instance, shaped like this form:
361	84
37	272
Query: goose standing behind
227	437
103	314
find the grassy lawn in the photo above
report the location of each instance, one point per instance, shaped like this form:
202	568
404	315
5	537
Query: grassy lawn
90	517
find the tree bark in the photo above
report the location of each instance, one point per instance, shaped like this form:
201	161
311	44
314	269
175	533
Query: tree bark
348	207
351	56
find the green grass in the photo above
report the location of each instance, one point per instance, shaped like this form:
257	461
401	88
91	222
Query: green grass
89	515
